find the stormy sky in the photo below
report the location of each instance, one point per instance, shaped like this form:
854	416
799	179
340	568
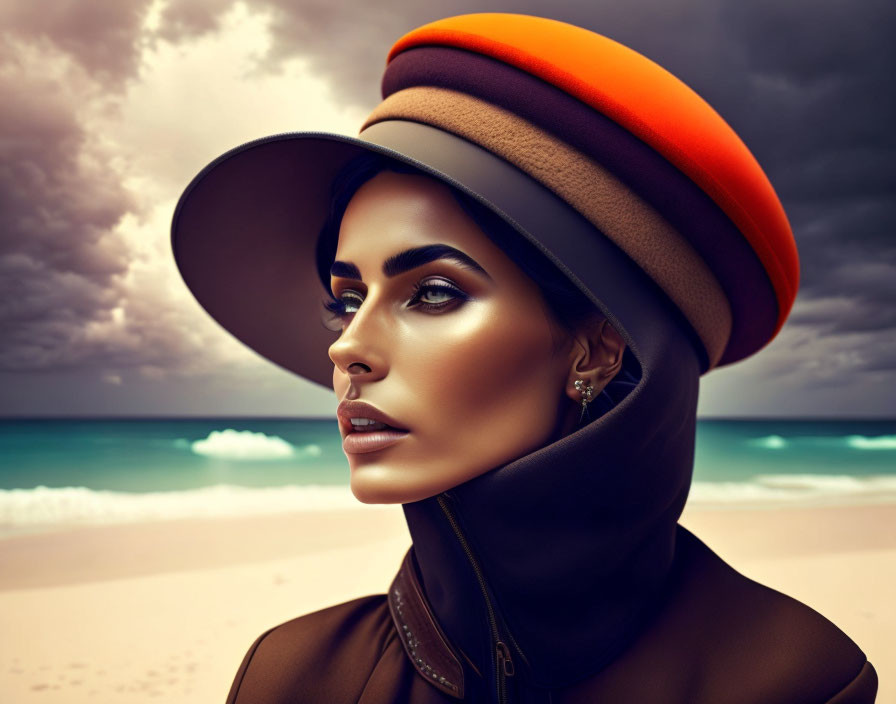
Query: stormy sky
110	107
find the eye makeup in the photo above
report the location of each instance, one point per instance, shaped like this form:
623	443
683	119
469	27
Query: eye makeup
432	295
435	288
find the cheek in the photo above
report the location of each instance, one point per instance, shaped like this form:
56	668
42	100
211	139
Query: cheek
339	383
480	365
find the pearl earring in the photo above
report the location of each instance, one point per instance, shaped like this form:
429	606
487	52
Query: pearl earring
587	392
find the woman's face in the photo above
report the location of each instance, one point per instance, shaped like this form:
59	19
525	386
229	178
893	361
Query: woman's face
459	351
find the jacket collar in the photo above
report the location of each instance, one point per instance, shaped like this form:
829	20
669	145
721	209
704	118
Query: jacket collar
423	641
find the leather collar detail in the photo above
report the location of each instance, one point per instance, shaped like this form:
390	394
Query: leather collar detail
423	642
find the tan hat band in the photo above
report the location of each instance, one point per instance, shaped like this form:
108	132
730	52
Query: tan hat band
614	209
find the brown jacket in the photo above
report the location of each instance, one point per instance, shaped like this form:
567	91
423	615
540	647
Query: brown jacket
564	577
720	638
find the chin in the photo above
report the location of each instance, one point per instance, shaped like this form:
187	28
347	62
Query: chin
373	485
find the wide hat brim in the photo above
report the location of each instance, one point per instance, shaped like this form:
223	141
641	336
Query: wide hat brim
244	236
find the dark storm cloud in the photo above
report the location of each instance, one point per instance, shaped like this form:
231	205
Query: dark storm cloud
53	210
807	86
57	260
61	260
821	73
99	35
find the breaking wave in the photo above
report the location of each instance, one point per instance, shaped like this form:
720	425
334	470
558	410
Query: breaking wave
47	508
854	442
770	442
245	445
881	442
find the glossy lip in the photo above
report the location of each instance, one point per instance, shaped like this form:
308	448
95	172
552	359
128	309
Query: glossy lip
358	409
372	441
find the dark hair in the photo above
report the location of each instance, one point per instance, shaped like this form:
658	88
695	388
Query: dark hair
567	303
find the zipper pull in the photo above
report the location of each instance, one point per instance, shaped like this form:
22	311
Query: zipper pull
504	658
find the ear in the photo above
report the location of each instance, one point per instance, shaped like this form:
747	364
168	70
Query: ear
595	358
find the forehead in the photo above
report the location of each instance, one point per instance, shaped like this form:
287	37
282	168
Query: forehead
394	211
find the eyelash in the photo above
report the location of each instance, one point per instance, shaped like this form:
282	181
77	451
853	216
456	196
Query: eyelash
337	306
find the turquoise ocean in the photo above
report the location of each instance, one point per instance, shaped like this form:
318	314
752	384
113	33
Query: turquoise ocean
59	473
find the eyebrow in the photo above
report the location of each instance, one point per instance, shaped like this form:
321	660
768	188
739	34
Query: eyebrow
411	259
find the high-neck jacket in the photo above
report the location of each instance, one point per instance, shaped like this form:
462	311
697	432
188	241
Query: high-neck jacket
564	576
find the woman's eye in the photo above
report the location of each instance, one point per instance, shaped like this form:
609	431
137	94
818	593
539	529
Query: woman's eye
437	294
347	303
350	301
434	296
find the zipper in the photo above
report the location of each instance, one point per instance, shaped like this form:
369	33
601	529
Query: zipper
503	659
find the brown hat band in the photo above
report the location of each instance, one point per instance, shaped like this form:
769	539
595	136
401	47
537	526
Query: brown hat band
613	208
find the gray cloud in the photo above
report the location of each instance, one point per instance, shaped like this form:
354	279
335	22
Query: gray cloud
100	36
66	273
58	261
183	19
805	84
53	208
818	115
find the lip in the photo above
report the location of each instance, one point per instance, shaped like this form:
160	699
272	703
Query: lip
371	441
359	409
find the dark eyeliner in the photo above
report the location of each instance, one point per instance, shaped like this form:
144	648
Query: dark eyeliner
444	287
337	305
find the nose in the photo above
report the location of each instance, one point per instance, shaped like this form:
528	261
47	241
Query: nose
360	350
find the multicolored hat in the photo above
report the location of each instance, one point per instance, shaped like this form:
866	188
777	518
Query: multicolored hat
602	158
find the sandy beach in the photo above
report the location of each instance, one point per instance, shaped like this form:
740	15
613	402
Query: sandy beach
165	611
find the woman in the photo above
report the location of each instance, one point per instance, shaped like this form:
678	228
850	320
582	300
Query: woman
535	220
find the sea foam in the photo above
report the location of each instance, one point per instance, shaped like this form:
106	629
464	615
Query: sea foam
795	490
881	442
49	508
770	442
853	442
44	508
